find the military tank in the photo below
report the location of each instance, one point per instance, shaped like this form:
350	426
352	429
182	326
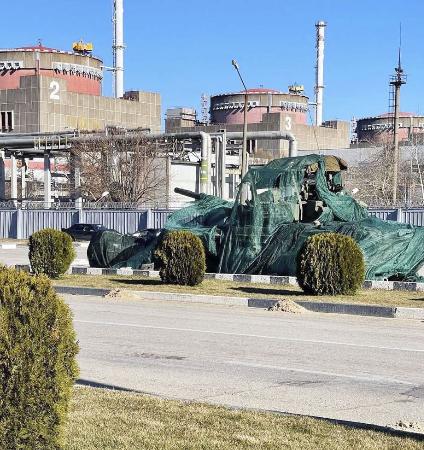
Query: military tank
278	206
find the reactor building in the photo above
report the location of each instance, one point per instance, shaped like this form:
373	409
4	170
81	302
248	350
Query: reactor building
47	90
378	130
268	110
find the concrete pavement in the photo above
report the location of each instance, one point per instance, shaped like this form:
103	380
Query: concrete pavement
360	369
19	255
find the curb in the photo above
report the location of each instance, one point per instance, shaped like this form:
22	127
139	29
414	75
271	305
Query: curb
12	246
15	246
245	278
71	290
320	307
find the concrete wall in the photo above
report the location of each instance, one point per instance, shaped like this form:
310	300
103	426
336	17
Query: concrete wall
45	104
332	135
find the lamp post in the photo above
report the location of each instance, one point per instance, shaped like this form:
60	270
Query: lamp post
244	149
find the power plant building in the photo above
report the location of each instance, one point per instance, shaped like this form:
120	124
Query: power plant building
378	130
48	90
268	110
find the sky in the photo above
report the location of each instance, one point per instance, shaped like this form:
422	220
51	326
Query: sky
183	49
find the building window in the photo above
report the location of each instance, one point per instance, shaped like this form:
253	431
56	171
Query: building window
7	122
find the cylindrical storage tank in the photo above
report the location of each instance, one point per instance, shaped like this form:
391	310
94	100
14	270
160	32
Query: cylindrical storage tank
83	73
229	108
379	129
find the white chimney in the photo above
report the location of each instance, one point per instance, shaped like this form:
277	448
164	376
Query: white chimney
118	47
319	79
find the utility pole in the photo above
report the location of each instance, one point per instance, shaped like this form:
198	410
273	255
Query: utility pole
396	81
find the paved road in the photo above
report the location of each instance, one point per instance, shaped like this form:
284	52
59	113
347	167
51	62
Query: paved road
20	256
352	368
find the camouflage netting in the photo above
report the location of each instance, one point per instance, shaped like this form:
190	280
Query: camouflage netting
277	208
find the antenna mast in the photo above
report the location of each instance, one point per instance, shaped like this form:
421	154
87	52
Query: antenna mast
396	81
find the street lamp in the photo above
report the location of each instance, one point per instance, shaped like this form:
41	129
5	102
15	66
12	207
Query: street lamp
244	150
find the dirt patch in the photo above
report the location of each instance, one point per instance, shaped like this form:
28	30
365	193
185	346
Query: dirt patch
286	305
415	427
114	293
121	294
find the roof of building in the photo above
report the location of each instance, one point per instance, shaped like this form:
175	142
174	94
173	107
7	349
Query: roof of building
40	48
387	115
258	90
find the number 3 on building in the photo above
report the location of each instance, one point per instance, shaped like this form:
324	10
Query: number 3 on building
288	121
54	88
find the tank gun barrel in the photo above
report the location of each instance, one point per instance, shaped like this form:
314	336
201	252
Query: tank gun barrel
188	193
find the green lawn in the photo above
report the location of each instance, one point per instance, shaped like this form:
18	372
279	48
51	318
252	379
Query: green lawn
102	419
239	289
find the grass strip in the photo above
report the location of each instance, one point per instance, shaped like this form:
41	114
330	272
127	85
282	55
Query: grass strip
104	419
240	289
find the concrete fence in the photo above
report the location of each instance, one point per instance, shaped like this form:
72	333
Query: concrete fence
21	223
413	216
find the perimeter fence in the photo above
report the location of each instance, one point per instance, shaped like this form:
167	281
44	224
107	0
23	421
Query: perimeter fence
18	223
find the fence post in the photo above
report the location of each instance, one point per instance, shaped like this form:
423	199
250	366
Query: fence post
19	224
149	221
399	217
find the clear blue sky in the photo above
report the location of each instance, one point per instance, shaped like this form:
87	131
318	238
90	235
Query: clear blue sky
184	48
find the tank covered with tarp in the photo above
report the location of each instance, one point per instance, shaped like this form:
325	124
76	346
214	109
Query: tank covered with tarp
278	206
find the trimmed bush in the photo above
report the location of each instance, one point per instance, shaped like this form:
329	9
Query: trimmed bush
51	252
330	264
181	258
37	362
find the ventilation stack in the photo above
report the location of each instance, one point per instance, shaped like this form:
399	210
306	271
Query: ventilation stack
118	47
319	80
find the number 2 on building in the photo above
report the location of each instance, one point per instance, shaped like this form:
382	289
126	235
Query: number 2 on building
54	88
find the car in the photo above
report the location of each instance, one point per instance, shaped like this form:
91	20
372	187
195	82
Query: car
83	231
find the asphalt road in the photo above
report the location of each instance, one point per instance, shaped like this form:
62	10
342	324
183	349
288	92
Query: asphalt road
352	368
19	255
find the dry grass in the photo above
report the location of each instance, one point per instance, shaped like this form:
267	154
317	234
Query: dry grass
239	289
102	419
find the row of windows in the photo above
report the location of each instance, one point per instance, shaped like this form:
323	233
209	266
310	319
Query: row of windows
6	121
294	106
11	65
387	126
77	69
236	105
288	106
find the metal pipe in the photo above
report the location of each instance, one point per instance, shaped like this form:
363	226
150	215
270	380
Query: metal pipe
118	47
271	135
205	152
319	78
222	164
48	133
47	181
2	177
13	179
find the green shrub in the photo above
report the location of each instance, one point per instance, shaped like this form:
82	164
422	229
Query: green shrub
50	252
330	264
37	362
181	258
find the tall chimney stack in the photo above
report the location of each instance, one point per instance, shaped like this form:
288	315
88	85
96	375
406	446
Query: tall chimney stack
118	47
319	80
